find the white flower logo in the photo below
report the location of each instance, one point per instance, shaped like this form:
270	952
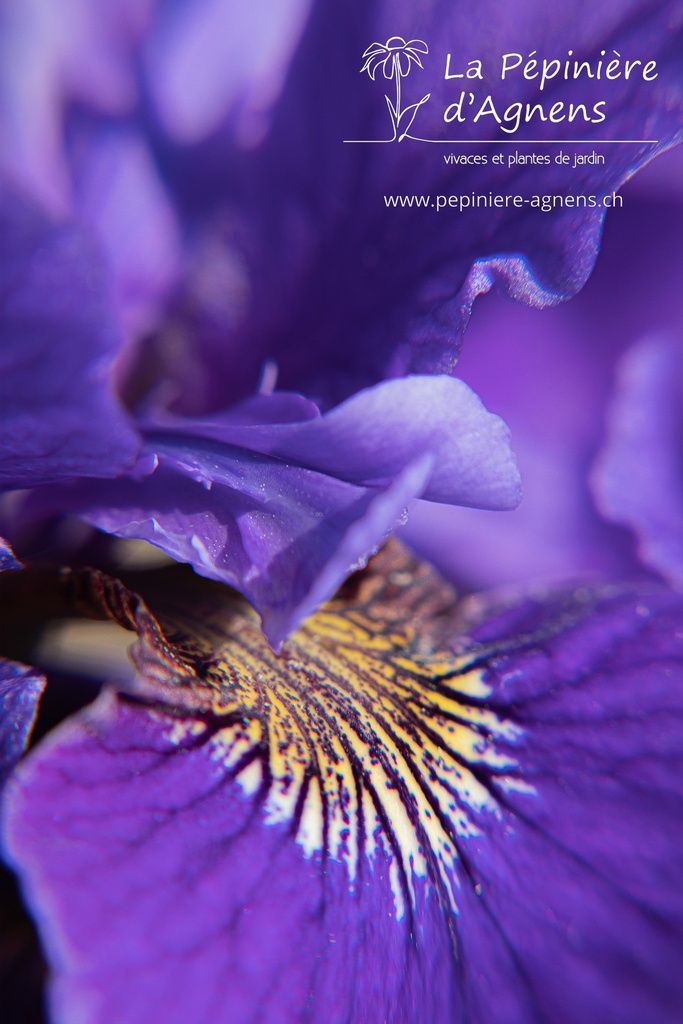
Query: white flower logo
395	58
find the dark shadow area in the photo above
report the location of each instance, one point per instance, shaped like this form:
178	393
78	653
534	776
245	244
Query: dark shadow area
23	971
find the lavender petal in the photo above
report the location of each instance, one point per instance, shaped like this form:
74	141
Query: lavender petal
284	512
60	415
638	477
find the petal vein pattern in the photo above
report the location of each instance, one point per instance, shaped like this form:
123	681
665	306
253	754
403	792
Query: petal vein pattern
418	811
366	749
359	738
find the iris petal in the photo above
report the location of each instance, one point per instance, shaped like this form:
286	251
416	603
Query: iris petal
122	198
20	691
283	512
387	821
60	339
235	57
638	478
389	290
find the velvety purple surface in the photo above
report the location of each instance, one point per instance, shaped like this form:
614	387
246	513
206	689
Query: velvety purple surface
60	417
586	879
161	892
20	692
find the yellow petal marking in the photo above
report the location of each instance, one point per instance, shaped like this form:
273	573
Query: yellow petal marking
371	730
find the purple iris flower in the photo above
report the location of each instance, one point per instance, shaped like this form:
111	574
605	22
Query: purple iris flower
591	392
225	335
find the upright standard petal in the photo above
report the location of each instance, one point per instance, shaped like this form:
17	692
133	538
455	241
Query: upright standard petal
284	511
638	477
387	822
120	195
53	56
552	375
60	417
342	301
212	60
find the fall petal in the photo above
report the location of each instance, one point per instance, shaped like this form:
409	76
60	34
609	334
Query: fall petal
510	851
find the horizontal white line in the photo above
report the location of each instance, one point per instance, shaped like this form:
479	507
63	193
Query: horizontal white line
510	142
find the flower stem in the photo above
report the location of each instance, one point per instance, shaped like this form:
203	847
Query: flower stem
397	72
